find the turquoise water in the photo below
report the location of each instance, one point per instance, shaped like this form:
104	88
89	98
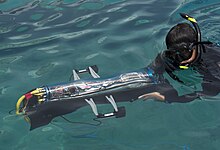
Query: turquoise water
42	41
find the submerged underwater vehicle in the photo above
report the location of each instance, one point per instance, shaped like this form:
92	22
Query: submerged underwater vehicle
41	105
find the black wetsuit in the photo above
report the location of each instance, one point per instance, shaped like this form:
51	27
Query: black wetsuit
206	70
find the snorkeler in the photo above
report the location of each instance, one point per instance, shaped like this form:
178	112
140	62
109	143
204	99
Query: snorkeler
186	55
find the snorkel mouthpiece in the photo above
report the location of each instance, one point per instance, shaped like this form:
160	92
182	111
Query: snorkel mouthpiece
184	67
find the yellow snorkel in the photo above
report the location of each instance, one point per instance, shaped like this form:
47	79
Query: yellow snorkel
197	54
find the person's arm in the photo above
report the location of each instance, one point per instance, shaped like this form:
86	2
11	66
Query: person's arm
172	96
166	93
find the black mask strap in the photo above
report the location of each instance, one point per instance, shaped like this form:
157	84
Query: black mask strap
200	43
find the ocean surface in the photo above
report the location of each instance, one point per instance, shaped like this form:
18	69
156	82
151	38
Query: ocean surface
41	42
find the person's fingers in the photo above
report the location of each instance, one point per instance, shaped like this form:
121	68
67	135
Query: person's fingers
145	96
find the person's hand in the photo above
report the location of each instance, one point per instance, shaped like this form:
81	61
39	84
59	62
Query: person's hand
154	95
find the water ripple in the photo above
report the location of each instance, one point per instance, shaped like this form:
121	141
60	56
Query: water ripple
27	43
21	9
49	19
42	70
9	60
42	40
20	37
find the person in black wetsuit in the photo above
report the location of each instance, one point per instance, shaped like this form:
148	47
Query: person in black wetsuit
182	59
